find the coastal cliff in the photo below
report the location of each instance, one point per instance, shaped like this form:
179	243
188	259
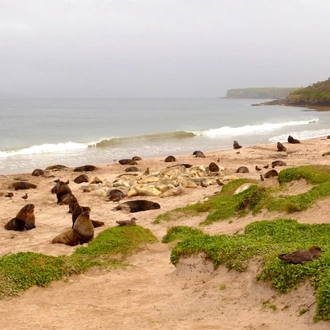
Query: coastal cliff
259	93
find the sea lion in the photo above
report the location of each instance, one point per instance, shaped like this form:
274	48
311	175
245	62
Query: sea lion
128	162
271	174
213	167
62	191
136	158
115	195
83	228
236	145
77	210
242	169
68	238
170	159
24	220
22	185
97	180
85	168
38	172
131	169
55	167
137	206
72	202
199	154
280	147
302	256
131	222
81	178
292	140
278	163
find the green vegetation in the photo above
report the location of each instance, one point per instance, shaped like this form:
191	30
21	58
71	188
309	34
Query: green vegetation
22	270
315	94
226	205
263	241
260	93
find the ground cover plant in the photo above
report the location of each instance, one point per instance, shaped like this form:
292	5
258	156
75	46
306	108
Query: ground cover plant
20	271
225	204
264	241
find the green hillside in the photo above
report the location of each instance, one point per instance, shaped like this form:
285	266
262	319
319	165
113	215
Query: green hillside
259	93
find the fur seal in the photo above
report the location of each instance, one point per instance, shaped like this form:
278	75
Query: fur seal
127	162
271	174
302	256
242	169
137	206
22	185
115	195
83	228
85	168
62	191
77	210
24	220
131	169
236	145
292	140
131	222
81	178
38	172
68	238
213	167
280	147
136	158
55	167
278	163
170	159
199	154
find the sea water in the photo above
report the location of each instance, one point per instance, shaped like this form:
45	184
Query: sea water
36	133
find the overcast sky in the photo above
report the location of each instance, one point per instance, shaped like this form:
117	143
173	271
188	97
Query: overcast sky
160	48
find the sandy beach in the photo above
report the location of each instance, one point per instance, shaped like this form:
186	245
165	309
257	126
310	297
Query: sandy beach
154	294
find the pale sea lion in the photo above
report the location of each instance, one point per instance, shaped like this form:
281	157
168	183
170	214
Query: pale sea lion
137	206
131	222
83	228
24	220
302	256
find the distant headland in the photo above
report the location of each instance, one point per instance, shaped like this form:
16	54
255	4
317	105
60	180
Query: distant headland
260	93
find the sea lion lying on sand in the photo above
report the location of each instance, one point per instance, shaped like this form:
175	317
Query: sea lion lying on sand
81	178
22	185
115	195
68	238
242	169
278	163
128	162
199	154
271	174
38	172
137	206
85	168
170	159
24	220
127	222
292	140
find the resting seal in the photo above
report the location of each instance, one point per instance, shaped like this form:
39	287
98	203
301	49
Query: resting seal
199	153
292	140
24	220
127	222
127	162
38	172
137	206
278	163
68	238
22	185
170	159
85	168
271	174
242	169
115	195
81	178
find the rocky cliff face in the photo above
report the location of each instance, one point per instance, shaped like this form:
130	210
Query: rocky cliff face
259	93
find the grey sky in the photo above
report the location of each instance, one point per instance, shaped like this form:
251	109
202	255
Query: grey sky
160	48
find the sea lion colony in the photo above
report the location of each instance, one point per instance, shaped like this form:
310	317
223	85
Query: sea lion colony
169	181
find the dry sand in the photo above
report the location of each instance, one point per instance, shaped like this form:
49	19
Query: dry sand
152	293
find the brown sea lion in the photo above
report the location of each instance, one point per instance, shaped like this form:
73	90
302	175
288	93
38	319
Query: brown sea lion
278	163
77	210
199	154
236	145
302	256
170	159
280	147
81	178
38	172
83	228
242	169
72	202
271	174
213	167
85	168
115	195
128	162
24	220
131	222
55	167
137	206
20	185
292	140
131	169
62	191
68	238
136	158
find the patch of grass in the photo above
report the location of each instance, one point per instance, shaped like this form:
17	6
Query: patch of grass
225	204
223	287
20	271
264	241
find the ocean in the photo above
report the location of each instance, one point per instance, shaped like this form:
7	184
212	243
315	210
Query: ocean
36	133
